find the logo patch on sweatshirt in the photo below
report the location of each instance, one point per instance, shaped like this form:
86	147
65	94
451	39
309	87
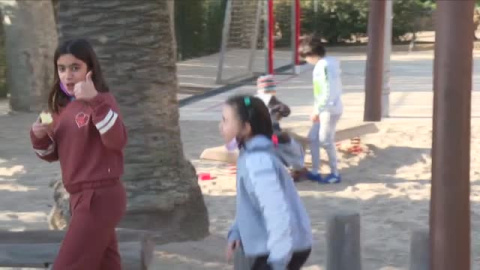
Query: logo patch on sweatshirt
82	119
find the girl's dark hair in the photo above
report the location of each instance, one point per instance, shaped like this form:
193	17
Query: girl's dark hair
311	46
81	49
252	110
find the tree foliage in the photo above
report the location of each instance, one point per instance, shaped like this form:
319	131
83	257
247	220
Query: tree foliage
341	20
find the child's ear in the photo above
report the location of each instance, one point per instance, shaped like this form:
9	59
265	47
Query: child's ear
247	128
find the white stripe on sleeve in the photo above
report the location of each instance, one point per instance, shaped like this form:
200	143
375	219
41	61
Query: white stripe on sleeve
109	125
105	120
45	152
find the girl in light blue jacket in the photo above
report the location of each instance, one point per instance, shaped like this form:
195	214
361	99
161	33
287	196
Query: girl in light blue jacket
271	224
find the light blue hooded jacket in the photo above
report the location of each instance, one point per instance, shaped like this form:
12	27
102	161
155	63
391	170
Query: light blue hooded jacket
270	217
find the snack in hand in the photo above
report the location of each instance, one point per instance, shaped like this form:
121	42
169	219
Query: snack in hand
46	118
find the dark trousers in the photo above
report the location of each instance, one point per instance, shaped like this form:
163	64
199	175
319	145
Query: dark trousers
297	261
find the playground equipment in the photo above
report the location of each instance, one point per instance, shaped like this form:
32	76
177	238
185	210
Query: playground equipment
452	84
251	26
375	55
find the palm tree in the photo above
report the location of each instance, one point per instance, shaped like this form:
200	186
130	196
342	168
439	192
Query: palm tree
135	43
30	41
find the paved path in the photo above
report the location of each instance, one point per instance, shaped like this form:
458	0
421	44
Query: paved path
411	86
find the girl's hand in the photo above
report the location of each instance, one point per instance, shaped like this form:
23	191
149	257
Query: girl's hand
41	130
315	118
231	249
85	90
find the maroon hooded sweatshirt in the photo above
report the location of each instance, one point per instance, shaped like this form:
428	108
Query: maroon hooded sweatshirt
88	139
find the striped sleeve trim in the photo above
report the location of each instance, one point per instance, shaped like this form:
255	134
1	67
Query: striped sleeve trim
45	152
107	123
105	120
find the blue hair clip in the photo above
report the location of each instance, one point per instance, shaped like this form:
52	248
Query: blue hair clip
247	101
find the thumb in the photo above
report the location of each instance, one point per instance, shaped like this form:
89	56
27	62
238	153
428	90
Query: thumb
88	78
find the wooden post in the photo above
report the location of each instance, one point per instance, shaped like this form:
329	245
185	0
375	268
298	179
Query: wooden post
343	242
387	51
450	191
419	250
374	68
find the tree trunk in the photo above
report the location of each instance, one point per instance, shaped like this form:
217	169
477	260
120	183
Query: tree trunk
60	214
134	42
31	39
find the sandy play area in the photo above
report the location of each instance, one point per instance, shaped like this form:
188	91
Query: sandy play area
389	185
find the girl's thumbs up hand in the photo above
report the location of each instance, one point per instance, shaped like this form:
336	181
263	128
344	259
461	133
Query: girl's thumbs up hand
85	90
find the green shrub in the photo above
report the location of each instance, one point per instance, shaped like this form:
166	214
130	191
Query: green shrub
408	15
342	20
198	27
337	20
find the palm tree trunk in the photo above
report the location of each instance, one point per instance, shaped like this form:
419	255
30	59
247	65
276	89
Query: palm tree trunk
30	41
135	45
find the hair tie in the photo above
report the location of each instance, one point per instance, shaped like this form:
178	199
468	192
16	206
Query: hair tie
275	140
247	101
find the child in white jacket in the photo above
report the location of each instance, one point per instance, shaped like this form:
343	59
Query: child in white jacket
327	109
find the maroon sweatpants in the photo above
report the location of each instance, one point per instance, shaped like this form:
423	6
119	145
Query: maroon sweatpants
90	242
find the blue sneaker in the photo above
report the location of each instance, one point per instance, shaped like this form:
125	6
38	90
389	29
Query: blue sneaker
332	179
316	177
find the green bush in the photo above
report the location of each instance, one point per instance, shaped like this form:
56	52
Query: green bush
408	15
198	27
336	20
283	16
342	20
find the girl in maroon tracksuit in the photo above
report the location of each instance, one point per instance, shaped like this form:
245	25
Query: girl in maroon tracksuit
87	136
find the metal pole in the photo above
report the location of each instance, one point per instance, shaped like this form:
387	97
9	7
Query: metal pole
254	40
374	69
293	35
271	32
387	50
452	85
266	35
298	29
225	33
